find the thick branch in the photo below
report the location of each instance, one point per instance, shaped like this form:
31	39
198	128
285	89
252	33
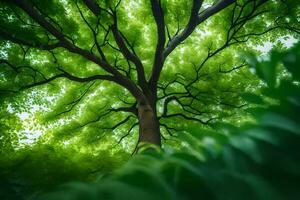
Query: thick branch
64	74
131	109
195	21
158	14
120	79
129	55
93	6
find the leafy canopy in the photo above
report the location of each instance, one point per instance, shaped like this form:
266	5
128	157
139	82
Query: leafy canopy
51	52
78	83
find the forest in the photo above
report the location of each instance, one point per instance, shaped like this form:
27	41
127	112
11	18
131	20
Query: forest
149	99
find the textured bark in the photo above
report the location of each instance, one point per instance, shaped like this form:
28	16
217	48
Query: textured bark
148	124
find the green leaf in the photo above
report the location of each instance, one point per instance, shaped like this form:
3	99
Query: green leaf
278	121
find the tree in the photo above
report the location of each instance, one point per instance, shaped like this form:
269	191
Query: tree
253	160
156	60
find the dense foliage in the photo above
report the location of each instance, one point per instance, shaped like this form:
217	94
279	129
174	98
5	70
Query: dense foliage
159	99
81	71
260	159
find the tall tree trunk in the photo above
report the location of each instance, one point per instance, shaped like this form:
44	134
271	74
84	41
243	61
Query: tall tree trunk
148	124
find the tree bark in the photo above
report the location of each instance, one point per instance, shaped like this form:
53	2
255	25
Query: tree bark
149	131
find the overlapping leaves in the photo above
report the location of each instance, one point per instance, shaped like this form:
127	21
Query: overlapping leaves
255	161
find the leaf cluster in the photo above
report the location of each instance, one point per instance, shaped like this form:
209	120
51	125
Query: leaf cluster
259	159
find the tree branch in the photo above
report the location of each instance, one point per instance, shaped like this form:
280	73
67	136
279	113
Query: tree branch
72	104
195	20
188	118
93	6
118	124
128	132
128	54
158	14
70	77
14	39
232	69
119	78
